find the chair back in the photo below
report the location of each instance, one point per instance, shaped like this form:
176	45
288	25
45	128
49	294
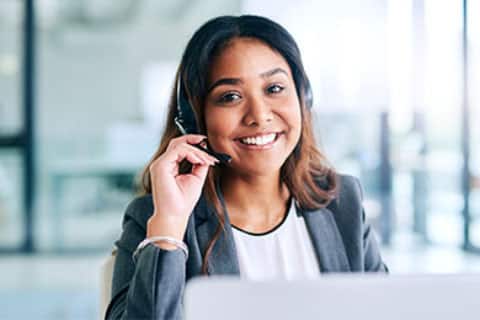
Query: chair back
106	274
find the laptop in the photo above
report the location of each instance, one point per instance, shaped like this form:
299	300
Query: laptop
339	297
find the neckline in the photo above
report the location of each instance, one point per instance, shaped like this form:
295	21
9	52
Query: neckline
258	234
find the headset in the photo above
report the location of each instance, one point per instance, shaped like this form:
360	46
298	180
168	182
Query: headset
308	95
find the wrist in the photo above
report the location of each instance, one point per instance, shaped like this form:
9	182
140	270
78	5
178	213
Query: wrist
161	240
166	226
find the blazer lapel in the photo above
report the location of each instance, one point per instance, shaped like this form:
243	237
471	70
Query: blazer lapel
327	241
223	258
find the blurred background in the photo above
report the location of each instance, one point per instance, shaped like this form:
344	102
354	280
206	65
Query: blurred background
83	90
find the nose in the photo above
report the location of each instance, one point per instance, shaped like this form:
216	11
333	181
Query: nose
259	112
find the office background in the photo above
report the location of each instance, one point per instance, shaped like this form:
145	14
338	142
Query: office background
83	90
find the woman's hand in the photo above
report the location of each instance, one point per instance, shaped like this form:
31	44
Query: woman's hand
175	195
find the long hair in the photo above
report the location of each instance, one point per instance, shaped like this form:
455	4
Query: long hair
306	172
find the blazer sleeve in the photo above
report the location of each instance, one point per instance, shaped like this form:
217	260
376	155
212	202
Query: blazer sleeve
371	252
358	236
372	260
151	288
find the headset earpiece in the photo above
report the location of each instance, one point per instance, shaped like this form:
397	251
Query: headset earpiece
308	95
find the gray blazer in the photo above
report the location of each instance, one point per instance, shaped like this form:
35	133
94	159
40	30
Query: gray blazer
153	287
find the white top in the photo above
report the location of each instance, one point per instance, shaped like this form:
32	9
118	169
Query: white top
285	252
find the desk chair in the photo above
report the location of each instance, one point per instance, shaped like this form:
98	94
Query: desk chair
106	273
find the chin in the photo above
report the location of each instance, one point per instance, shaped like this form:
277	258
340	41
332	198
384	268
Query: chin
263	169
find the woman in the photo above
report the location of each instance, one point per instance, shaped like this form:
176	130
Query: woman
276	210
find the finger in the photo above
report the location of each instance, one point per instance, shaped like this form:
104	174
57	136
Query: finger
170	161
200	152
188	138
200	171
179	153
193	159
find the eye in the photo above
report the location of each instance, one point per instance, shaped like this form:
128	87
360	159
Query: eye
275	88
229	97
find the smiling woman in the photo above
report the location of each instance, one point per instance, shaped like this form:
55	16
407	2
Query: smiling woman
276	210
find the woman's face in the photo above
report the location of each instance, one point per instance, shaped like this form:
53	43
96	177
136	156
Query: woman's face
252	110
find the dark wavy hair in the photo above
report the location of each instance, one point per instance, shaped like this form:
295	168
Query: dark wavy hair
306	172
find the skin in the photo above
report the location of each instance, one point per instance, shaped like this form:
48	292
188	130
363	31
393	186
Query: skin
252	92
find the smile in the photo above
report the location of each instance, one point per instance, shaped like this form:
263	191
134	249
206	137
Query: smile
259	141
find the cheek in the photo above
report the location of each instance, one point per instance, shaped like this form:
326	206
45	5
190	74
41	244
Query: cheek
297	128
294	121
294	117
218	124
298	118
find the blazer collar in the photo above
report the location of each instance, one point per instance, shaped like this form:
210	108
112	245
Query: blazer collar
327	241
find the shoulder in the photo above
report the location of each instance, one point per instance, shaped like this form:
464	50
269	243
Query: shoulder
349	189
140	209
347	206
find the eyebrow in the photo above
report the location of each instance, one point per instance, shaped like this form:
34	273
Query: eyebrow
234	81
224	81
273	72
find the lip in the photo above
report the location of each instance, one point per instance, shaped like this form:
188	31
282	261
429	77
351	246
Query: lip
257	147
259	134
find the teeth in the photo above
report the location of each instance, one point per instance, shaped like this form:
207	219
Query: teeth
262	140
